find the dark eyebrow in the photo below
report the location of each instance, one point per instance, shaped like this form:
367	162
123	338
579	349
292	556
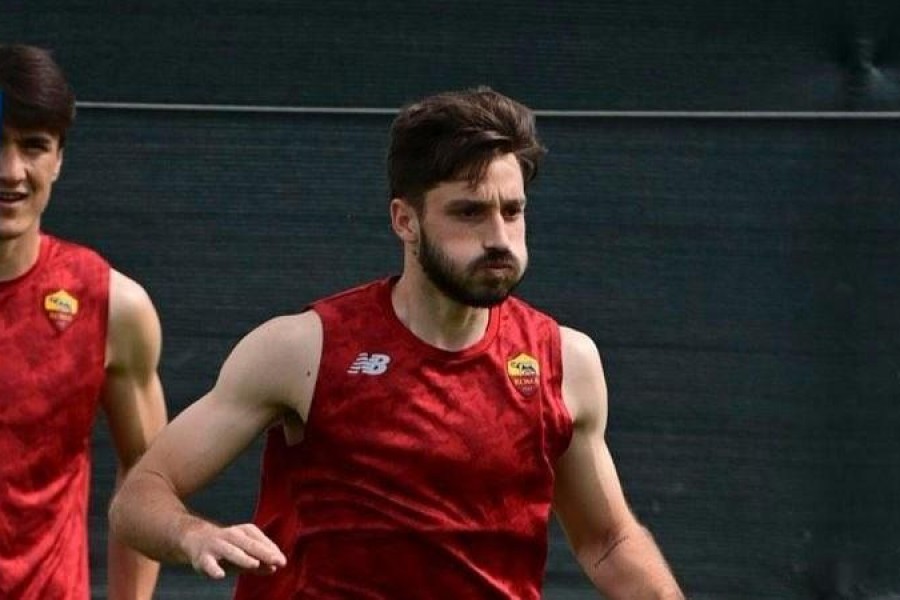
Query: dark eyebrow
34	140
45	139
466	202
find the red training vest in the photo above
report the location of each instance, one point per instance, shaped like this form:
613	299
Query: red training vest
53	324
423	473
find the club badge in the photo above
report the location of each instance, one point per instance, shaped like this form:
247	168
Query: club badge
61	307
524	372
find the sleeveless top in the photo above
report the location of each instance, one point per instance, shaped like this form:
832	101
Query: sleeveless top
422	473
53	325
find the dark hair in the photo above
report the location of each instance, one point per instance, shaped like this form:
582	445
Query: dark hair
36	94
456	135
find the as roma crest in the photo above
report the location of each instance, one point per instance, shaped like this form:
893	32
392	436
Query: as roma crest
524	371
61	307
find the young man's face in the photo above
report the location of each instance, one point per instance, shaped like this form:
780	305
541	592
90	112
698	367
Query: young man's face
29	165
472	241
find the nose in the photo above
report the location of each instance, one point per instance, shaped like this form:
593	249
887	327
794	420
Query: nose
496	236
12	167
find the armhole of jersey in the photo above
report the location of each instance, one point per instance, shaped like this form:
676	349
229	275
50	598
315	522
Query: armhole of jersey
557	362
106	309
323	316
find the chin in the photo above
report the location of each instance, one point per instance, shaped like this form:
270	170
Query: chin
10	233
490	296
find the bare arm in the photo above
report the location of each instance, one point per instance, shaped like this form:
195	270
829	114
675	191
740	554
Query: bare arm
617	553
132	399
269	374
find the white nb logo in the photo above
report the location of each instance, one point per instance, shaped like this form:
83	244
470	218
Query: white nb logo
369	364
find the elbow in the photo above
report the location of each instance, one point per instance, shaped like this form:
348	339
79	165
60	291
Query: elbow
606	539
116	514
598	550
123	500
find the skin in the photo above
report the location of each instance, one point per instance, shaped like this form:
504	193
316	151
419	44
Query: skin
132	396
30	162
475	238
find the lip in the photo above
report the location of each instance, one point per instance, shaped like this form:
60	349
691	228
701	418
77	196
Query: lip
498	269
498	265
12	197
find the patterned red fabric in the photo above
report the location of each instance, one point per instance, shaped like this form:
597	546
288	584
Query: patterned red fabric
53	323
422	473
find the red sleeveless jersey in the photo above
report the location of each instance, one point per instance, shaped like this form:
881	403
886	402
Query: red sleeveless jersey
422	473
53	322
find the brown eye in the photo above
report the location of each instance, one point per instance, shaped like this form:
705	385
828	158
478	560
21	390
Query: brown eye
511	212
468	211
36	146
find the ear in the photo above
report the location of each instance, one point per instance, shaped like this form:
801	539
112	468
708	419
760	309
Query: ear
404	220
59	162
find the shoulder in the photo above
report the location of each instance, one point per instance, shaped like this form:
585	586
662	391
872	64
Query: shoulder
134	335
127	294
580	356
286	332
579	346
584	383
130	305
278	346
276	363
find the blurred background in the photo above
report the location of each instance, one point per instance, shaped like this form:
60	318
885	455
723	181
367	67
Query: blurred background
718	210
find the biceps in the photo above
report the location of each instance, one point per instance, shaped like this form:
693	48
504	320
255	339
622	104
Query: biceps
135	413
588	497
204	438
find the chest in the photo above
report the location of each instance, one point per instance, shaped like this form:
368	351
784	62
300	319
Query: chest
52	346
467	426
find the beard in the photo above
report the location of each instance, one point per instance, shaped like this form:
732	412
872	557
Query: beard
472	285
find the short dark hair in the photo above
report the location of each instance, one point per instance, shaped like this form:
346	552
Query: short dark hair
36	94
456	135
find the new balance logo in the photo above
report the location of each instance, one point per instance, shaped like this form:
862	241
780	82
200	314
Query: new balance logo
369	364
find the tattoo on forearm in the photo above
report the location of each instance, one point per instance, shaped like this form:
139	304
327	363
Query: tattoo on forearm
609	550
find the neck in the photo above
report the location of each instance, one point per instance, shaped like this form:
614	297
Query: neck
19	254
434	318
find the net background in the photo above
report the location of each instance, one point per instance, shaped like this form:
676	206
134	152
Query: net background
738	274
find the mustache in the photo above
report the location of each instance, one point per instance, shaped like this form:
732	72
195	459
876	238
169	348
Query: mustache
494	257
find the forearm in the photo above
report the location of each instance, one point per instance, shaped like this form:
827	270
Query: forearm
148	516
631	567
131	575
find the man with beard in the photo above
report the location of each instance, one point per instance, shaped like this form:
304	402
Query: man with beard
420	428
